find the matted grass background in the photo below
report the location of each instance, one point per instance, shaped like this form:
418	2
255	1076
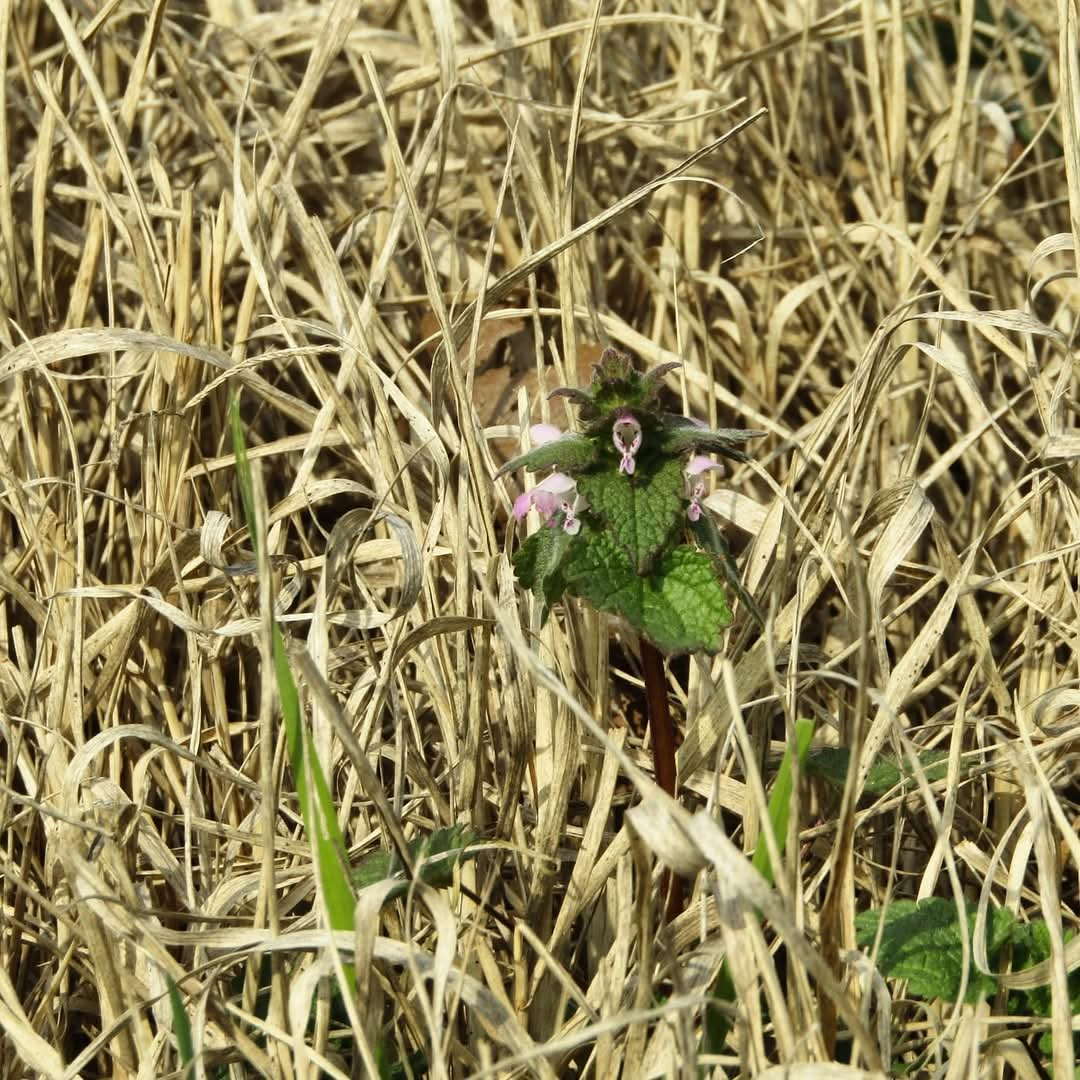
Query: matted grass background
308	206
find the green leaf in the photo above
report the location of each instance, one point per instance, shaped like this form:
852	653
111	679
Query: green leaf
181	1028
243	473
642	510
712	540
581	398
680	605
617	384
780	800
682	438
599	570
538	563
318	812
685	602
1031	945
922	942
831	763
390	1068
567	453
718	1017
652	381
434	856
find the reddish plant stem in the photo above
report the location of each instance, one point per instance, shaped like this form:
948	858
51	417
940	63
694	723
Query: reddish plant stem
663	747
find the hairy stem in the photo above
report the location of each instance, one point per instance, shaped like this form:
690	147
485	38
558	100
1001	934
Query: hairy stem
663	747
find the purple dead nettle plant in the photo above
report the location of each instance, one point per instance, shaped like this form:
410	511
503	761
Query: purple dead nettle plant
624	527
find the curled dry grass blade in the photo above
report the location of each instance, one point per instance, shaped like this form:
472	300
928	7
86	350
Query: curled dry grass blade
392	229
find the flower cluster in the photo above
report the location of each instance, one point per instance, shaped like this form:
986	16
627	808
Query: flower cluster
622	506
557	494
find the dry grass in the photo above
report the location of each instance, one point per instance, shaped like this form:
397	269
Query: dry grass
388	232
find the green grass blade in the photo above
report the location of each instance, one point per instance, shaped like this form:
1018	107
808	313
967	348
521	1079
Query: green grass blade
181	1027
780	800
317	812
243	473
717	1022
319	816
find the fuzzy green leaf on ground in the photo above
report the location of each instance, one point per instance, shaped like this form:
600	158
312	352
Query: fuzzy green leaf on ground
922	942
1031	946
831	763
435	857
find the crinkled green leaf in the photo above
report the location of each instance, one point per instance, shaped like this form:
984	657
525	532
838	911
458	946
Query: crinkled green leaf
681	604
682	438
567	454
922	942
686	604
831	763
1031	945
642	510
598	570
538	563
434	857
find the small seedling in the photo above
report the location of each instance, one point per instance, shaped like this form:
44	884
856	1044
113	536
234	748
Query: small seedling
924	943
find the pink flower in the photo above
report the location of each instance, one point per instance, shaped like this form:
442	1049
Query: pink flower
556	492
698	464
626	435
544	433
570	524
